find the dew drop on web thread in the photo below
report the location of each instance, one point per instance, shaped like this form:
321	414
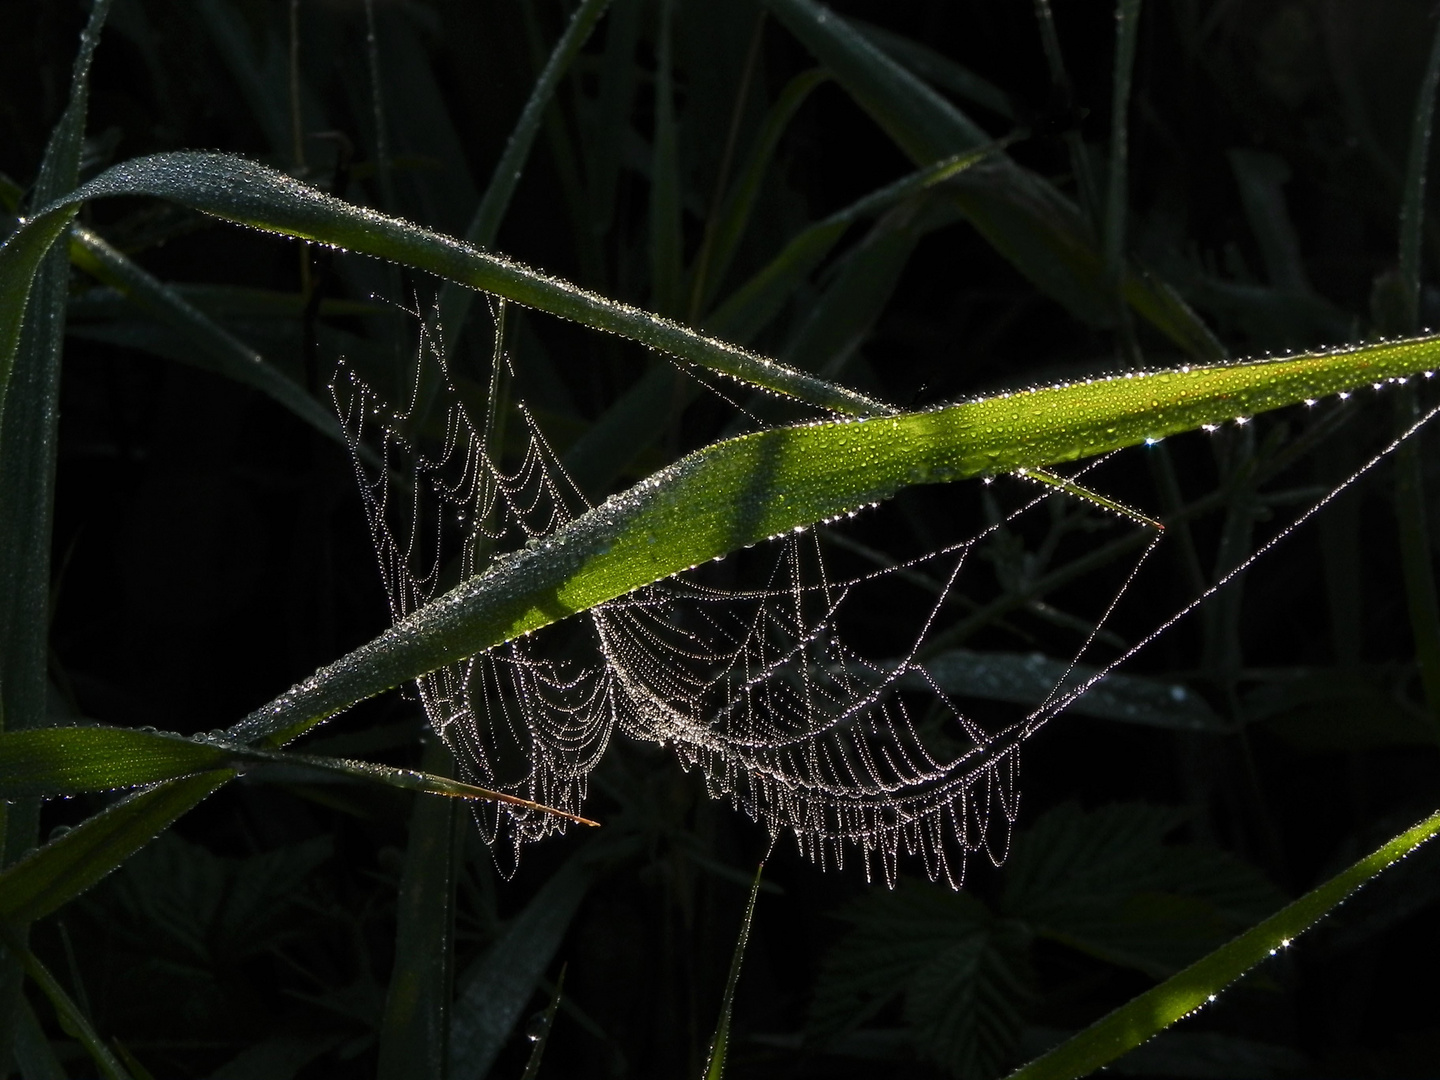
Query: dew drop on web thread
858	760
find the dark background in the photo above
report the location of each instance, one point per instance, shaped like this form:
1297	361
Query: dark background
210	550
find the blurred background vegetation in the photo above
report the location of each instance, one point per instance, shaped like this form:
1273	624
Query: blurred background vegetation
210	548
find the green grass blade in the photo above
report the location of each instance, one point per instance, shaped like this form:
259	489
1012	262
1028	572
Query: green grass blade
1131	1024
71	760
720	1042
51	876
494	993
414	1030
748	489
251	194
71	1016
212	346
485	225
30	356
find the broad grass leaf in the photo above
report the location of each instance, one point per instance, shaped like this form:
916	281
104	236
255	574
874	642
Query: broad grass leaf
1192	988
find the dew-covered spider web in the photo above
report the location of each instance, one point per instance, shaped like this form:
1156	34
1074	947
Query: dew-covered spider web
744	670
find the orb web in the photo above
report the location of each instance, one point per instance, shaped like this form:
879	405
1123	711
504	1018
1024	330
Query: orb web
752	684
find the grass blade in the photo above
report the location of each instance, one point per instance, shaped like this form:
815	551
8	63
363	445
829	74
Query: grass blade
723	235
71	1017
720	1042
251	194
1137	1020
71	760
29	422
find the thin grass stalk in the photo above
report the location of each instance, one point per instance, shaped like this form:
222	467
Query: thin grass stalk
1202	982
720	1042
1127	33
1416	554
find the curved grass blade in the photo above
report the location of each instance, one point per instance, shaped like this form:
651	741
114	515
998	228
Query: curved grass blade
71	1016
750	307
71	760
720	1042
215	348
1131	1024
252	194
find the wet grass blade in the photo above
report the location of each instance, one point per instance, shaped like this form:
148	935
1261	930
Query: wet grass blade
1200	983
252	194
212	346
72	1018
711	503
71	760
720	1042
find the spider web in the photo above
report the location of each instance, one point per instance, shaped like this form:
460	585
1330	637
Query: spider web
753	685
